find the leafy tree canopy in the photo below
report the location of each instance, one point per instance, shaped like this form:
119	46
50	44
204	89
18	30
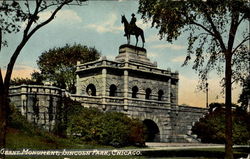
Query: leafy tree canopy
244	98
210	128
36	79
12	11
59	64
19	81
212	26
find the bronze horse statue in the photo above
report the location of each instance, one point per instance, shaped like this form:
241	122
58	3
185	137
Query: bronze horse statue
129	30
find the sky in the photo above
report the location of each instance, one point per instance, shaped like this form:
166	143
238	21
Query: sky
98	24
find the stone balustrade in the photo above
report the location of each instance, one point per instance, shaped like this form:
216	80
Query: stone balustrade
38	89
87	99
120	101
131	65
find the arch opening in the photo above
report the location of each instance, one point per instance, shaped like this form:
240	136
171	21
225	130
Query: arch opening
112	90
134	92
91	90
171	97
152	132
148	93
160	95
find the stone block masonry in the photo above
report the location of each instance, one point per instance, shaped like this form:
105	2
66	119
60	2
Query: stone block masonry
131	84
39	104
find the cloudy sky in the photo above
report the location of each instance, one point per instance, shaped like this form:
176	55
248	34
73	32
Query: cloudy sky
98	24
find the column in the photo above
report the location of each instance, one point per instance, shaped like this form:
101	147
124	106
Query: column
125	89
104	81
176	90
169	91
78	88
23	102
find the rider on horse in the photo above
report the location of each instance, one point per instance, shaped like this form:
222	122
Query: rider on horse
132	24
132	29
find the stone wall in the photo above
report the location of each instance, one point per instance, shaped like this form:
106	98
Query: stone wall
174	122
39	104
183	118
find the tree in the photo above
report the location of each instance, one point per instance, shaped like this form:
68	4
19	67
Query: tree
212	26
19	81
13	14
244	98
210	128
36	79
58	64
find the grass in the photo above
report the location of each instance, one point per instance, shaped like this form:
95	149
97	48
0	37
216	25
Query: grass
217	153
22	134
41	140
18	139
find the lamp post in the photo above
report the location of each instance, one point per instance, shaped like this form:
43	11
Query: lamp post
206	94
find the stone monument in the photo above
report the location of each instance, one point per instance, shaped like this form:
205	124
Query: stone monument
133	85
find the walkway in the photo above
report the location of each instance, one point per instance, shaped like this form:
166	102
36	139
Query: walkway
175	146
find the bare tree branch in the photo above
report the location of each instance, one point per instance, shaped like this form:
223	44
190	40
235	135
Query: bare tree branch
31	19
28	6
67	2
25	40
240	44
46	21
241	19
203	27
232	30
217	34
48	6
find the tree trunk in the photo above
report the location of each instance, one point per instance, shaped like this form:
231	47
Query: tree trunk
4	105
228	101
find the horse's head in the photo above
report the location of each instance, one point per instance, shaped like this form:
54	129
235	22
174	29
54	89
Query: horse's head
123	19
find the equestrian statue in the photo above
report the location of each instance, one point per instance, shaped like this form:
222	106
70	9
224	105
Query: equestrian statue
132	29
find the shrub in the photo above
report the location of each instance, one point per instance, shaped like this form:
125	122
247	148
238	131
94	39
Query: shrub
211	128
110	128
17	121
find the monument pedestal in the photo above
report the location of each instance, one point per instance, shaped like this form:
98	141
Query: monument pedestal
131	53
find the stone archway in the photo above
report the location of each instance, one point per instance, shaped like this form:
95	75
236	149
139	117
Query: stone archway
152	132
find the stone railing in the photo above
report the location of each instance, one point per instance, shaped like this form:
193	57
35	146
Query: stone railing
131	65
149	69
87	99
114	64
35	89
119	101
89	65
147	103
116	100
